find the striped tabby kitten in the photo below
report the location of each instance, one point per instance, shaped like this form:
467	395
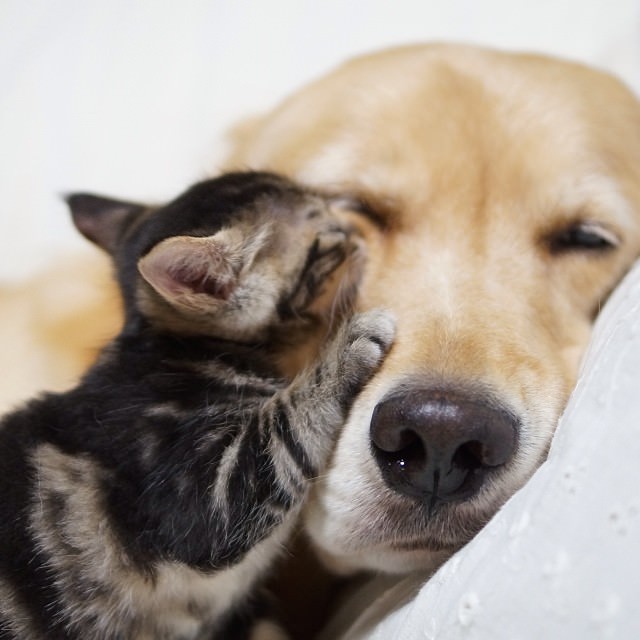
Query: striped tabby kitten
148	502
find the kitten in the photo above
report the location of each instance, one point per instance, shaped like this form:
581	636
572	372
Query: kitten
149	501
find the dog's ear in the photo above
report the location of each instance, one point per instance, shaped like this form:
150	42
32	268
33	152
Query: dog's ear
192	272
101	219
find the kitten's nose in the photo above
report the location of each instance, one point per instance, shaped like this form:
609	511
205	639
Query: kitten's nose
439	445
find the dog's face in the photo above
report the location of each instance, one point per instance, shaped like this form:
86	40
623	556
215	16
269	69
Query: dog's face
500	199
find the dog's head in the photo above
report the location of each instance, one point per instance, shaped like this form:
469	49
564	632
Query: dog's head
500	199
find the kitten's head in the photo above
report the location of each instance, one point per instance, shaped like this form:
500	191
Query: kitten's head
236	257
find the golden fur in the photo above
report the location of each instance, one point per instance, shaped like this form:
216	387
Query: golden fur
465	164
53	324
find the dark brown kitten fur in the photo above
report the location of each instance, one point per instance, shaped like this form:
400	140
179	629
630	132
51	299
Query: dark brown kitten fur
149	501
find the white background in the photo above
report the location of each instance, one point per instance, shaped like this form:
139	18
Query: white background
132	98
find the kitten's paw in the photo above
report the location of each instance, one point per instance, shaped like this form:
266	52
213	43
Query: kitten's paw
372	334
369	337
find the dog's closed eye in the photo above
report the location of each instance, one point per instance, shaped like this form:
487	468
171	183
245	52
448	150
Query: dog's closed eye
363	206
582	235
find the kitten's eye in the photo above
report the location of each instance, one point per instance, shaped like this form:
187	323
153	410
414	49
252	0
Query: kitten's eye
583	236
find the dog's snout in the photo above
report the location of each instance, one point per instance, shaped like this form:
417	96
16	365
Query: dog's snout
440	445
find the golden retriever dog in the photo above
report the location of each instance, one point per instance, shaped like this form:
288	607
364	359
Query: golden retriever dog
499	197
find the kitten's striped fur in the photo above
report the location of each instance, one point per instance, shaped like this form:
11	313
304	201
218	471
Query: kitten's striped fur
148	502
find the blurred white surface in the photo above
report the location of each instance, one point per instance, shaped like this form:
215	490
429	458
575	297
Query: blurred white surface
132	98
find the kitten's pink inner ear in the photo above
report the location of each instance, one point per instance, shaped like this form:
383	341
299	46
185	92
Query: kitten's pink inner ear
183	267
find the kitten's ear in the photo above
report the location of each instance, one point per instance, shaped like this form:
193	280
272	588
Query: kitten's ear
101	219
191	272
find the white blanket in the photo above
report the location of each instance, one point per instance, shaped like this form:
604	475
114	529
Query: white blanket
561	560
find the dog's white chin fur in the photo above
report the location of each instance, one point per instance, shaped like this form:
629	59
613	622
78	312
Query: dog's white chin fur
380	559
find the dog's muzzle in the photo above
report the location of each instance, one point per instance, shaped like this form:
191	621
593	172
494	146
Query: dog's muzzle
440	445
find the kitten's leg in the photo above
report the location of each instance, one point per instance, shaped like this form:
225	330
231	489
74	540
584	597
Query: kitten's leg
294	435
252	476
293	441
307	414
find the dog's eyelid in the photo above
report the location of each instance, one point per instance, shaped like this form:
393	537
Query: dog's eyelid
361	205
583	235
602	230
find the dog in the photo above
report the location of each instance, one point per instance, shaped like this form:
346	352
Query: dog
499	198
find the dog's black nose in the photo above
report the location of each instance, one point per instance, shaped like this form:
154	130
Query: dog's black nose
439	445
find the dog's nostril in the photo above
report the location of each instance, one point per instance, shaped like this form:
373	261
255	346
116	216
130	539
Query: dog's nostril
438	445
468	455
408	453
